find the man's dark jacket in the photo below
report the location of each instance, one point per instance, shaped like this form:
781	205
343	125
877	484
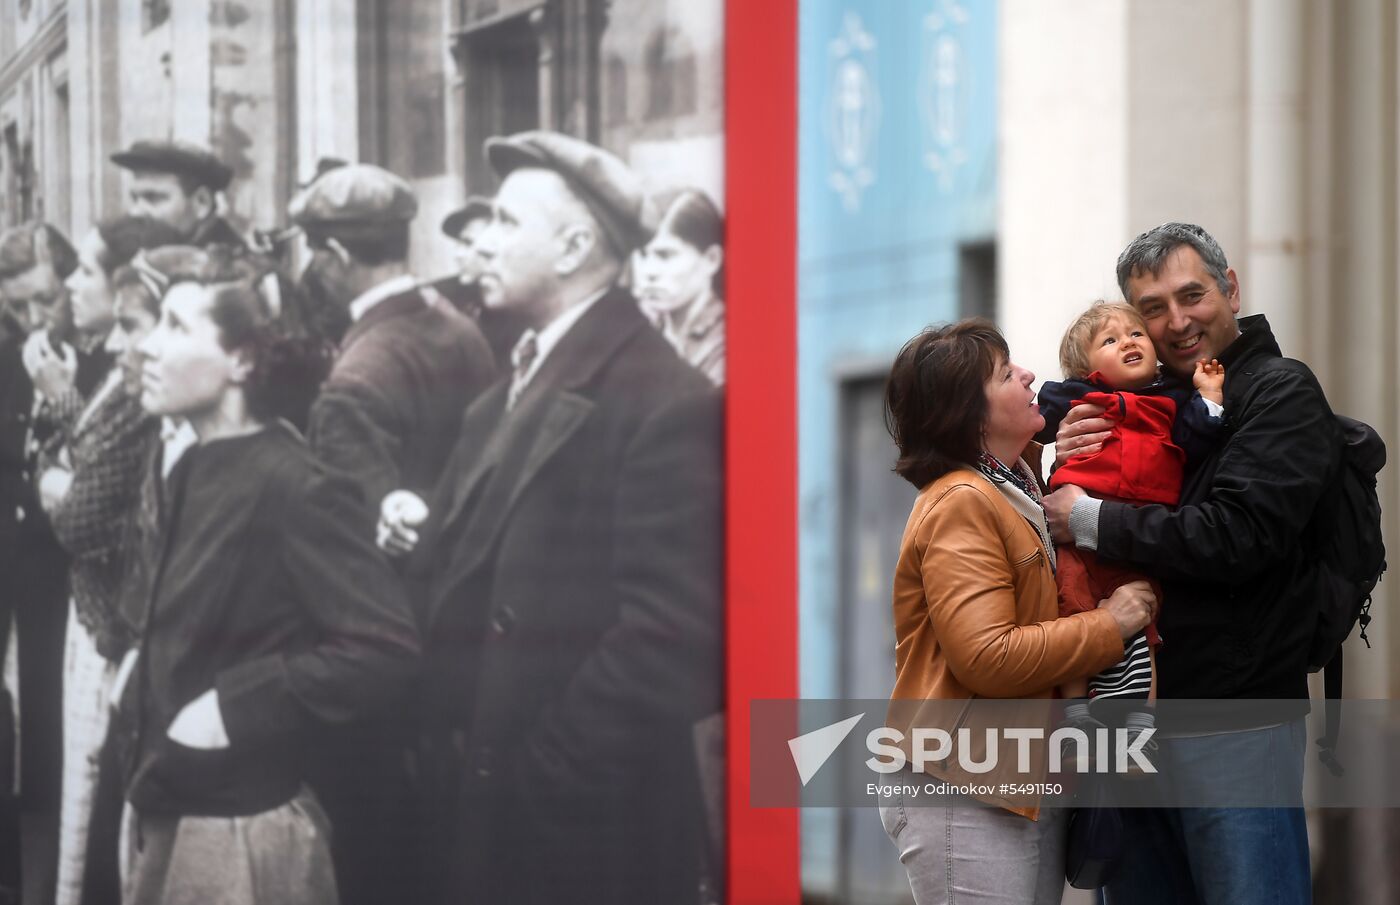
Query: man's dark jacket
575	618
33	582
1240	584
391	409
215	230
387	417
16	477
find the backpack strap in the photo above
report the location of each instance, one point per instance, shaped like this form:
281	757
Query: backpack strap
1332	714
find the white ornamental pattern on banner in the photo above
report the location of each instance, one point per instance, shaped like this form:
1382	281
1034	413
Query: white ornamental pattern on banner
852	112
943	91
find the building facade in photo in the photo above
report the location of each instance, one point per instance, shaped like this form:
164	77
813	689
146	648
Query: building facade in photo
412	85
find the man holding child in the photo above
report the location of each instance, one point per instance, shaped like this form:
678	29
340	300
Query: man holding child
1240	591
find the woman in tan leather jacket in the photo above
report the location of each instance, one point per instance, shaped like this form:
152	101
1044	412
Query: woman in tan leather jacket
975	606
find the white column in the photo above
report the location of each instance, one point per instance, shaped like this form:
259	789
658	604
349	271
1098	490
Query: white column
1187	121
41	112
1279	119
327	82
84	132
1322	155
1390	487
1063	167
191	76
1363	303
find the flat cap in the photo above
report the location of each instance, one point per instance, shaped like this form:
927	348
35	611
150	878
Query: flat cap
354	200
600	179
323	166
180	157
476	208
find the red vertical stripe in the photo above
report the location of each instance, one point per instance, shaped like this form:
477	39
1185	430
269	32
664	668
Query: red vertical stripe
761	454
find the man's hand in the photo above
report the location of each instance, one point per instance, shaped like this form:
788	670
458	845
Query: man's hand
52	374
1081	433
1057	508
1209	380
1133	606
53	488
200	724
400	513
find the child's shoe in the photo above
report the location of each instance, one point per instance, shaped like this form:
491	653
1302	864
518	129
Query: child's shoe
1074	757
1135	725
1148	752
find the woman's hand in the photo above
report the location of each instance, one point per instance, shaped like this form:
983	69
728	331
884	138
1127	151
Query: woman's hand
1133	605
200	724
53	488
1081	433
53	374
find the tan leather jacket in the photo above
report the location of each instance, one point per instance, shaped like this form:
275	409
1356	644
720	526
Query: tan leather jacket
975	612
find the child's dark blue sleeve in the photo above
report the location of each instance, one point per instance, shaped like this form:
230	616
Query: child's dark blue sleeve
1196	430
1054	399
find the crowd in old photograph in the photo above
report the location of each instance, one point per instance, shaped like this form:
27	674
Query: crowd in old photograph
324	582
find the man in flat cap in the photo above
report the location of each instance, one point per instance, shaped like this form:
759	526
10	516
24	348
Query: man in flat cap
463	226
572	554
392	406
387	416
178	182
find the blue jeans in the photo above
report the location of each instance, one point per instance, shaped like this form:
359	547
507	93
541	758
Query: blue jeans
1215	856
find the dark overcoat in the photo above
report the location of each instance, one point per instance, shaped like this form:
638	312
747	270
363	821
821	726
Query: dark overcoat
391	409
573	556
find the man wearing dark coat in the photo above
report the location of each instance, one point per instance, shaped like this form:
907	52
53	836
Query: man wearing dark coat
573	557
407	368
387	416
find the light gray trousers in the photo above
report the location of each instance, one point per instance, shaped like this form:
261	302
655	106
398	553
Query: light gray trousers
278	857
974	855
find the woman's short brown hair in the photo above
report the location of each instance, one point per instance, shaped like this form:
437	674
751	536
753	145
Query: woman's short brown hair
936	397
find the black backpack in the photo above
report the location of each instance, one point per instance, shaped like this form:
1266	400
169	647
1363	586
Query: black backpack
1345	534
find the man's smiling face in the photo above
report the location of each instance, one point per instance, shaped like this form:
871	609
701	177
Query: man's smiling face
1188	317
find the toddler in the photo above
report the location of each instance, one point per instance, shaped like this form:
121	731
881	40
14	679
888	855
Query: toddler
1158	423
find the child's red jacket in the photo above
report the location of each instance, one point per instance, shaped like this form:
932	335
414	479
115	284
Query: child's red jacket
1139	463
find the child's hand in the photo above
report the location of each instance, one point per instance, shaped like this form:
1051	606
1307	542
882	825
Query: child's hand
1209	380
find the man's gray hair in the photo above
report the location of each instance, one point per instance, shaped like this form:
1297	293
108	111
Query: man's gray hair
1148	253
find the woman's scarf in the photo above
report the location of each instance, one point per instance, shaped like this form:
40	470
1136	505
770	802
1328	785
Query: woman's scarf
1019	487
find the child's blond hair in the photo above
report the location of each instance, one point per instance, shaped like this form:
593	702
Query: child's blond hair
1074	348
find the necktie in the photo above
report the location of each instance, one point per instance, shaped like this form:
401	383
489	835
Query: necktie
526	350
